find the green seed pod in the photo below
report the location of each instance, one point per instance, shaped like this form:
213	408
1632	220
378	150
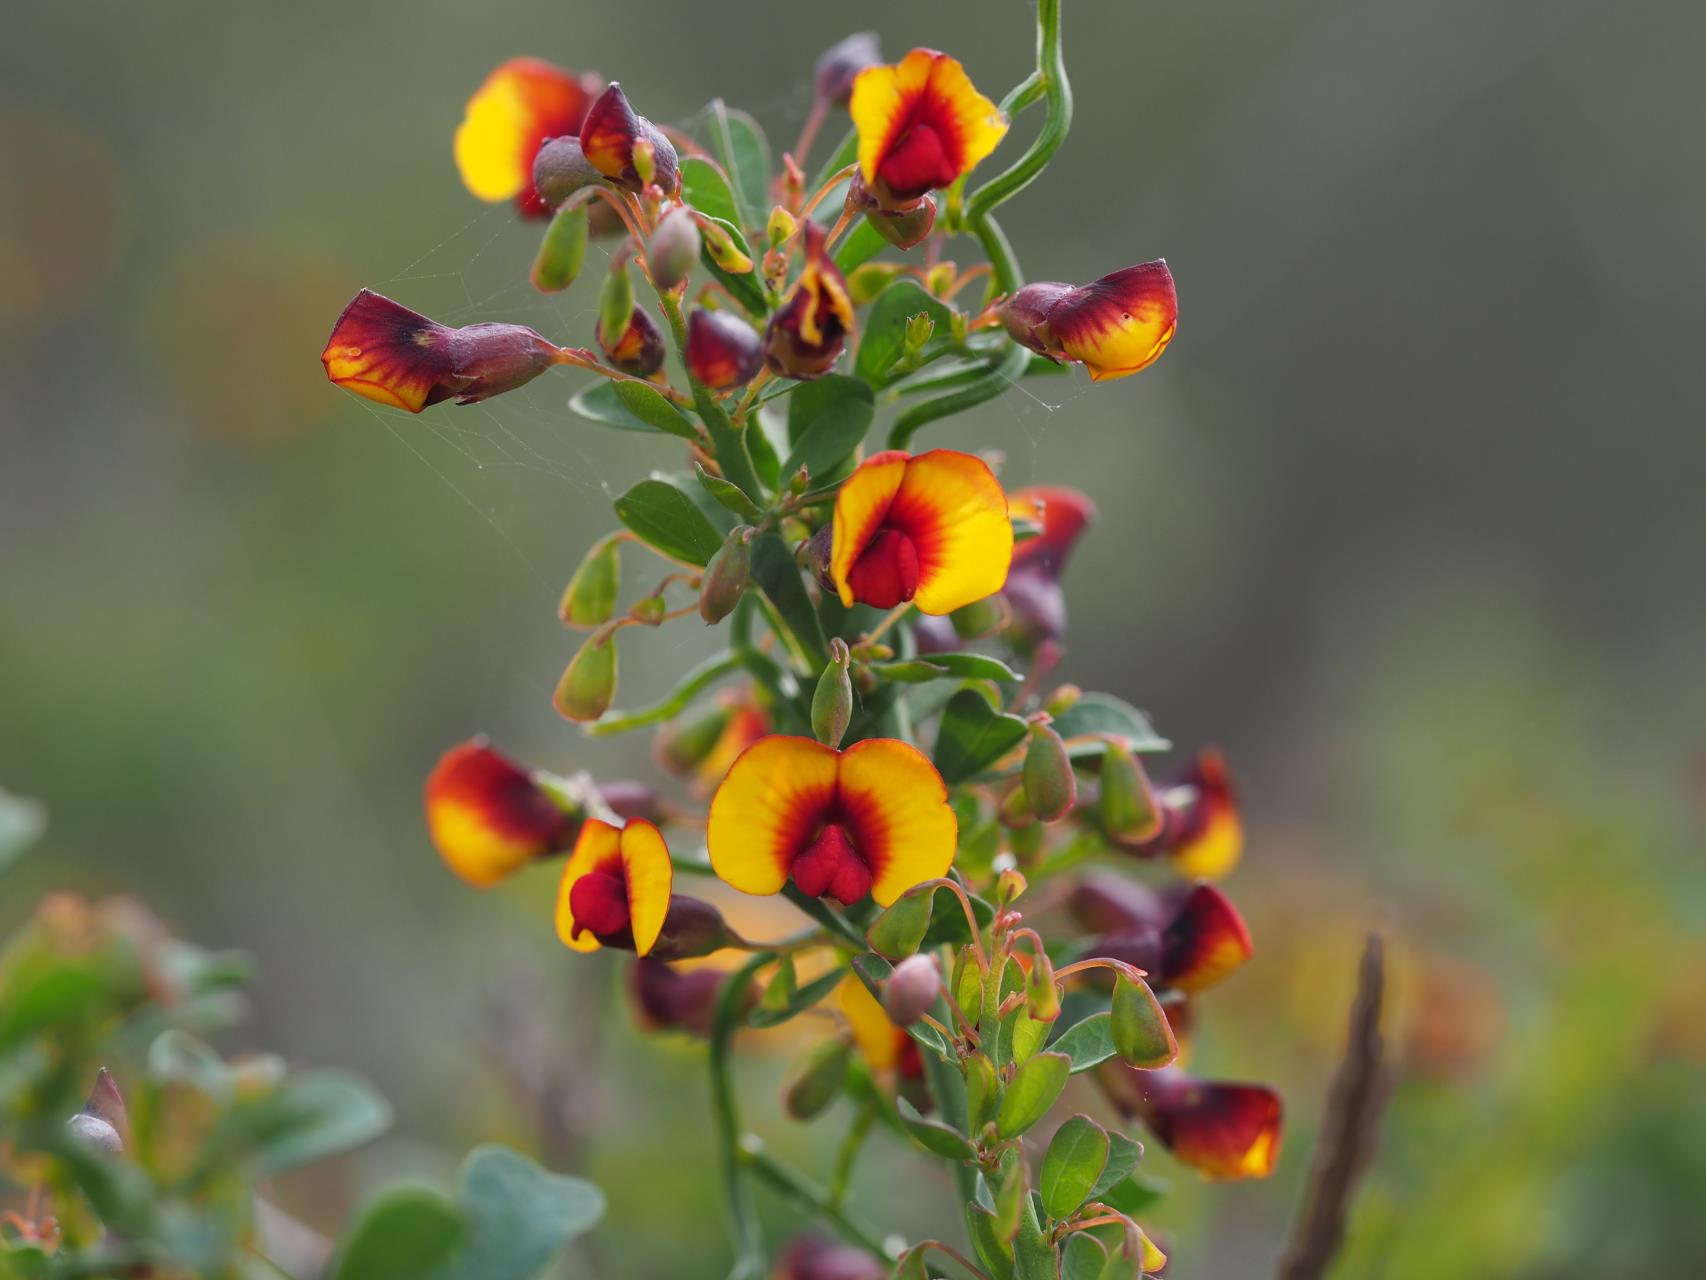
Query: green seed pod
562	250
1042	993
832	702
674	248
1127	805
980	618
726	576
590	597
588	685
1050	785
615	304
1141	1033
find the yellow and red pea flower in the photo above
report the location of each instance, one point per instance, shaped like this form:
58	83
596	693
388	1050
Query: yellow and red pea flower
522	104
612	138
871	819
932	529
808	331
615	889
1205	940
1033	591
723	351
1202	834
488	816
1114	326
1222	1130
702	749
1186	942
922	126
383	351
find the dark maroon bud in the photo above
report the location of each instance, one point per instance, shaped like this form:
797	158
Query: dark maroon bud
1106	903
691	928
1026	316
561	169
902	228
671	999
723	351
631	798
839	66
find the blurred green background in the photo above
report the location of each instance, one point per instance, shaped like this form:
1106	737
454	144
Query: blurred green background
1409	519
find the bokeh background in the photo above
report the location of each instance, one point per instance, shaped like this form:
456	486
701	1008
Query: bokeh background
1409	519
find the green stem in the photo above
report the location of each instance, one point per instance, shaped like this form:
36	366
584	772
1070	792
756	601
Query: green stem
806	1194
743	1214
726	440
827	917
697	680
842	1177
1056	90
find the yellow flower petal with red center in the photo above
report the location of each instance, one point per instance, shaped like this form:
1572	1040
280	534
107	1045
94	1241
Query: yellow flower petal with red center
524	102
933	529
922	125
871	819
615	887
487	816
1120	323
1210	837
1204	942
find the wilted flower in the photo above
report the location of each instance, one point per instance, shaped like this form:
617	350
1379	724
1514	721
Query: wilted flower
723	351
524	102
621	144
1113	326
488	817
639	350
808	331
1221	1130
932	529
922	125
615	889
382	350
872	819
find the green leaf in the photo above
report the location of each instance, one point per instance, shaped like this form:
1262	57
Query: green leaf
884	334
973	736
1075	1159
1142	1036
862	244
176	1057
518	1216
778	577
21	824
1087	1043
948	922
1123	1155
309	1117
933	1135
899	930
1102	714
741	146
1083	1258
1135	1194
792	1005
729	495
653	408
1034	1088
946	666
704	186
601	403
1024	1035
401	1234
663	516
827	419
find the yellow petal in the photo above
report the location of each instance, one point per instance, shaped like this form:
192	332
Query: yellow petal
878	1039
896	806
770	803
952	507
645	860
599	847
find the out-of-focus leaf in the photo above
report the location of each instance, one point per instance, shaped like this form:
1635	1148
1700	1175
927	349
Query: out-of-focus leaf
727	495
517	1216
176	1057
1123	1155
603	404
933	1135
1135	1194
21	823
704	186
776	574
309	1117
973	736
1083	1258
1100	714
403	1234
863	243
827	419
745	152
946	666
797	1002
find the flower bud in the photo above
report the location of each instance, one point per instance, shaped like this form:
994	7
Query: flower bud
1062	699
912	989
391	355
817	1081
869	279
1113	326
649	610
919	329
1050	785
615	303
1042	994
691	928
618	143
590	597
725	251
674	248
1009	885
588	685
726	576
95	1132
781	227
561	169
723	351
104	1122
489	817
639	351
832	701
1127	804
562	250
671	999
839	66
815	1257
903	228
